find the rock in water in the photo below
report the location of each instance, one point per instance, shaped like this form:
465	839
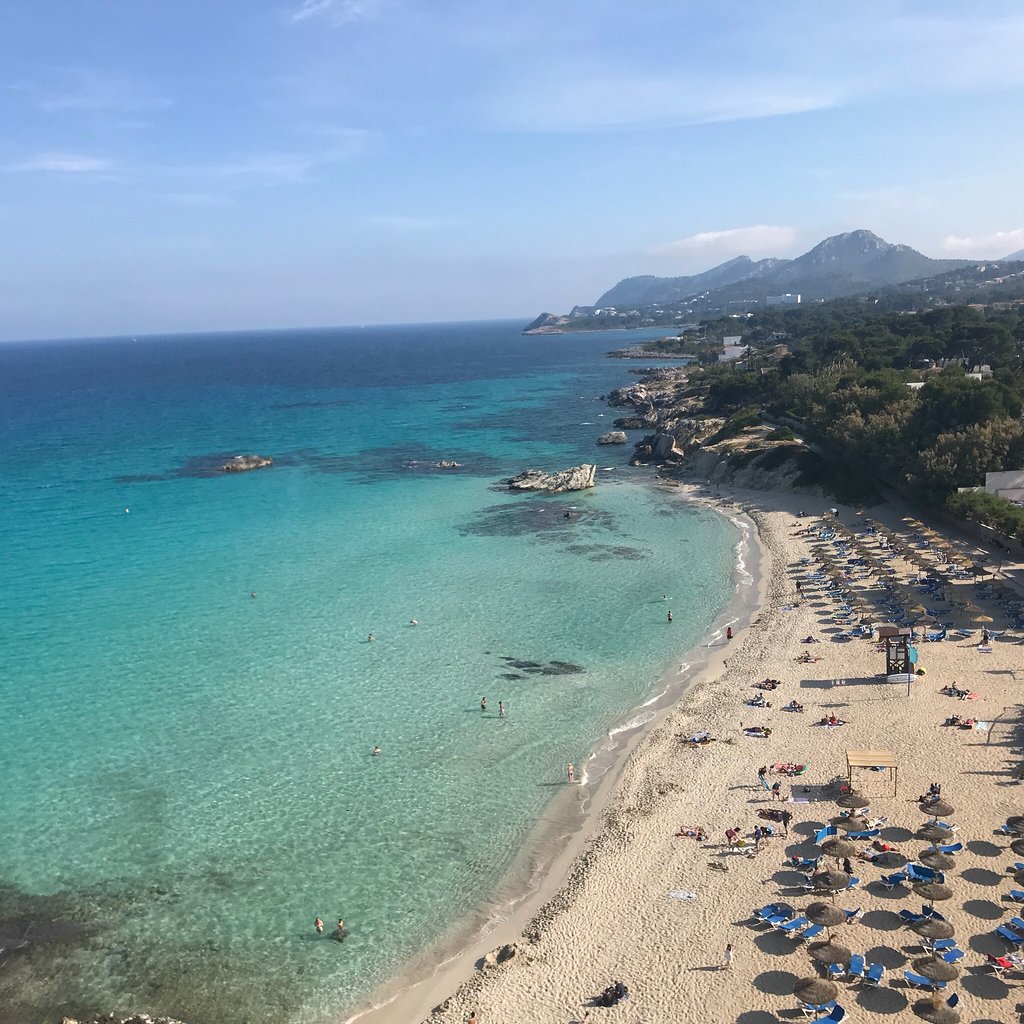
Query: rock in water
448	464
613	437
243	463
578	478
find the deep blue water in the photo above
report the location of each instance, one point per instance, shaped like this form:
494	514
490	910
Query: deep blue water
186	770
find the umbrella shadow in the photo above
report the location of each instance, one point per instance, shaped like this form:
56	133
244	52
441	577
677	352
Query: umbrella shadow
775	944
880	891
882	1000
984	909
756	1017
987	945
807	828
981	848
887	956
881	921
982	876
775	983
895	834
985	986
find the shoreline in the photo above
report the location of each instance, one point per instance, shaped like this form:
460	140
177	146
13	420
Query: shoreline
554	854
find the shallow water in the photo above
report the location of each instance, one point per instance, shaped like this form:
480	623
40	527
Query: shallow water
186	768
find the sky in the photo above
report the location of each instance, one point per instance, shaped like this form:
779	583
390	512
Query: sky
184	165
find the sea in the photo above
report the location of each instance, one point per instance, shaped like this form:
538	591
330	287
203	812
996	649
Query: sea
189	697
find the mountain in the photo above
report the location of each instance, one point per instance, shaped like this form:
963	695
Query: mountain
1014	256
837	266
642	291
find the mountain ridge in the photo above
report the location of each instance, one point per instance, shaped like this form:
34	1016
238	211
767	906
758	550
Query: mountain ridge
838	265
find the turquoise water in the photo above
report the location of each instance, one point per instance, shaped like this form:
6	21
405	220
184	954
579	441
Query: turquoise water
187	771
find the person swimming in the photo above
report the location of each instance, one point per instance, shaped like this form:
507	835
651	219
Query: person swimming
375	752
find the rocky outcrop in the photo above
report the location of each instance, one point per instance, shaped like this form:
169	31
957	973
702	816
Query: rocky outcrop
633	394
636	422
660	447
578	478
502	955
613	437
113	1018
244	463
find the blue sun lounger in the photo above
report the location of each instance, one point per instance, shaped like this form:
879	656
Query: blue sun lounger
920	981
1011	937
874	975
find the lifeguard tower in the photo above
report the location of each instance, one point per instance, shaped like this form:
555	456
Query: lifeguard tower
900	654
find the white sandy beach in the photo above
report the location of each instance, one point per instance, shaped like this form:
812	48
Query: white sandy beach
612	917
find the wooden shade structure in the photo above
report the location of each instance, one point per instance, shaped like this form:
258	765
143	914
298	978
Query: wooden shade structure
861	759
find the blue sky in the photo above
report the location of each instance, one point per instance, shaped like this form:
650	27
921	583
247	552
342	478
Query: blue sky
189	165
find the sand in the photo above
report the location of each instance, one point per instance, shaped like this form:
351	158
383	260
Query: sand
612	917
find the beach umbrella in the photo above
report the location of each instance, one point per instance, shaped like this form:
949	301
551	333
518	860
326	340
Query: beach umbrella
932	832
1018	847
1015	821
839	848
937	808
891	859
830	953
933	928
982	618
933	892
936	1014
816	991
826	915
832	881
853	800
935	859
850	822
1019	877
936	969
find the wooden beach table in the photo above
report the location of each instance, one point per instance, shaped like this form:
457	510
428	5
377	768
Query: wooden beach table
872	759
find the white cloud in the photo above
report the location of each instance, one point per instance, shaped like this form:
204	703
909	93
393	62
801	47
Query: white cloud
584	103
338	12
759	238
61	163
87	91
992	246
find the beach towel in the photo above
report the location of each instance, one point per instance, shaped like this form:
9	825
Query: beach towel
682	894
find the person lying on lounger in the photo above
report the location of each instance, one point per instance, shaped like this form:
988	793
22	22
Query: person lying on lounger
793	706
758	730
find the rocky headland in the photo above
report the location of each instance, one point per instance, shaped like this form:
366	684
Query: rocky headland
113	1018
245	463
577	478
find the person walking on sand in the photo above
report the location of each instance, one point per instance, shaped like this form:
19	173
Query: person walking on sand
319	926
762	773
571	772
732	836
472	1018
776	790
787	817
727	958
728	632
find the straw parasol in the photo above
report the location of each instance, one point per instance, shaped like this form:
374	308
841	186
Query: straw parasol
936	969
1019	877
933	832
937	808
832	882
850	822
981	618
824	914
816	991
853	800
839	848
1015	821
933	892
936	859
936	1014
1018	847
830	953
933	928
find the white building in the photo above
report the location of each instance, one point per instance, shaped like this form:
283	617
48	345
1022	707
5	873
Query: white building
1009	485
732	349
789	299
